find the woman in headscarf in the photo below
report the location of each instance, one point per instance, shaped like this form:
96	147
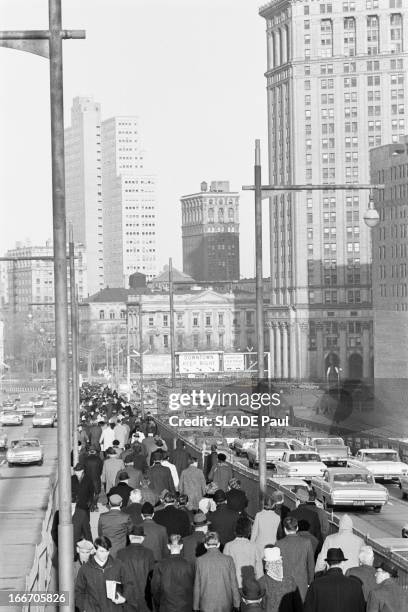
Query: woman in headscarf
281	592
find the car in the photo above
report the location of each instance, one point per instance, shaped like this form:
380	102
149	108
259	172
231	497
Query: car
26	409
383	463
288	482
302	463
404	486
44	418
10	417
332	451
3	439
38	403
275	449
340	486
8	403
241	445
25	450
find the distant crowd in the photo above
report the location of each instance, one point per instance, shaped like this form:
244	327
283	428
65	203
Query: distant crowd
175	537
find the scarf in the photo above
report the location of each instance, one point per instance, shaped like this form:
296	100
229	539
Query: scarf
274	569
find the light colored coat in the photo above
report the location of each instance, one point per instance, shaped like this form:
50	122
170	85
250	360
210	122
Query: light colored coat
111	467
215	585
192	484
345	539
264	529
244	553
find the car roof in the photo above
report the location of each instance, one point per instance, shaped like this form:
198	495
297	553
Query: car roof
376	450
347	470
25	440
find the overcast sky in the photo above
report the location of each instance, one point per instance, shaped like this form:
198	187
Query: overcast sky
192	70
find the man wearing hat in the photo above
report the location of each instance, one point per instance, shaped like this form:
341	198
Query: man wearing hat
192	483
160	476
333	591
252	595
223	520
173	580
84	549
155	535
112	465
387	595
93	466
172	518
236	497
193	545
139	562
221	473
82	488
304	512
115	524
122	488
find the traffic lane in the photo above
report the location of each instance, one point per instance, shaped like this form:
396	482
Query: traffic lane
24	493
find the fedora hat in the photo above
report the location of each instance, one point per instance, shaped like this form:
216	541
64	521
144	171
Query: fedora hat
335	555
200	519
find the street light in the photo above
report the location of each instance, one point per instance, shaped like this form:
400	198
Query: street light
371	216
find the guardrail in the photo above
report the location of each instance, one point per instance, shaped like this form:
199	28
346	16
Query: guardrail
249	481
40	576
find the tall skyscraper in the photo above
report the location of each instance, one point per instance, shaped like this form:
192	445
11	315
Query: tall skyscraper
336	87
83	184
111	200
129	204
210	233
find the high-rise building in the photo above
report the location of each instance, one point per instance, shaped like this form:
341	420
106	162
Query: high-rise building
389	166
83	185
336	87
129	204
210	233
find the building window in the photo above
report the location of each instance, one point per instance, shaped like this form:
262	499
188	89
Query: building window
326	38
123	314
195	341
207	320
249	317
373	35
208	340
195	320
111	314
349	25
165	320
165	341
220	341
220	318
151	321
396	33
179	341
179	320
151	343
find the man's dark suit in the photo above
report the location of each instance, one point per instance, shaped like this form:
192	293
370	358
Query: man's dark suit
82	491
155	539
305	513
223	521
160	478
335	592
237	500
123	490
174	520
135	513
139	561
193	547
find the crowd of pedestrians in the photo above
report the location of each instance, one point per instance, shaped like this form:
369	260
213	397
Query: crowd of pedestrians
176	538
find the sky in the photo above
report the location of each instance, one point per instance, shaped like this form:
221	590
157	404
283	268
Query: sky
191	70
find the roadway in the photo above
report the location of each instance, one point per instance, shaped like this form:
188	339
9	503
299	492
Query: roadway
24	493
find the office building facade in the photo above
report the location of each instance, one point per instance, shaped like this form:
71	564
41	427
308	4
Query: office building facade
210	233
336	87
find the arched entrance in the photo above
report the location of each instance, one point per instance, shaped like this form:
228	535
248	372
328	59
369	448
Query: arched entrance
331	370
355	366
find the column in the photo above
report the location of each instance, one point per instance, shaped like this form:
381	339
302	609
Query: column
292	350
343	349
278	360
271	349
284	48
366	350
285	360
303	328
320	354
270	51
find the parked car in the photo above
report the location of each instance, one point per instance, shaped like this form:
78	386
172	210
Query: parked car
288	482
25	451
3	439
26	409
340	486
304	464
241	445
10	417
38	403
44	419
383	463
332	451
8	403
275	449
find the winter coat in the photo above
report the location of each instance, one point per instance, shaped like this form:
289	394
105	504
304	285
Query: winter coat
174	520
193	547
345	539
94	433
305	512
172	585
334	592
139	562
366	574
281	596
111	467
122	489
90	586
116	525
107	438
298	561
135	513
93	466
160	478
192	484
237	500
221	474
180	457
155	539
264	529
223	521
82	491
387	597
215	585
173	471
244	553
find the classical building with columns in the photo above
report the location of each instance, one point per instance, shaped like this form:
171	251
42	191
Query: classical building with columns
336	87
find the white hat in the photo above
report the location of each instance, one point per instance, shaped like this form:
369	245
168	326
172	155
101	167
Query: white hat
272	554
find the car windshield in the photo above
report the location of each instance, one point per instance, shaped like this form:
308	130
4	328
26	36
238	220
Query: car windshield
349	478
43	414
277	444
9	413
25	444
329	442
304	457
381	456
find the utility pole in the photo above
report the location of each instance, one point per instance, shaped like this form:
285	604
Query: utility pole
48	43
172	343
259	315
74	344
141	354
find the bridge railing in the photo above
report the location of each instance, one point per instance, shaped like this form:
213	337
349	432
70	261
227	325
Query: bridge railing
249	481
